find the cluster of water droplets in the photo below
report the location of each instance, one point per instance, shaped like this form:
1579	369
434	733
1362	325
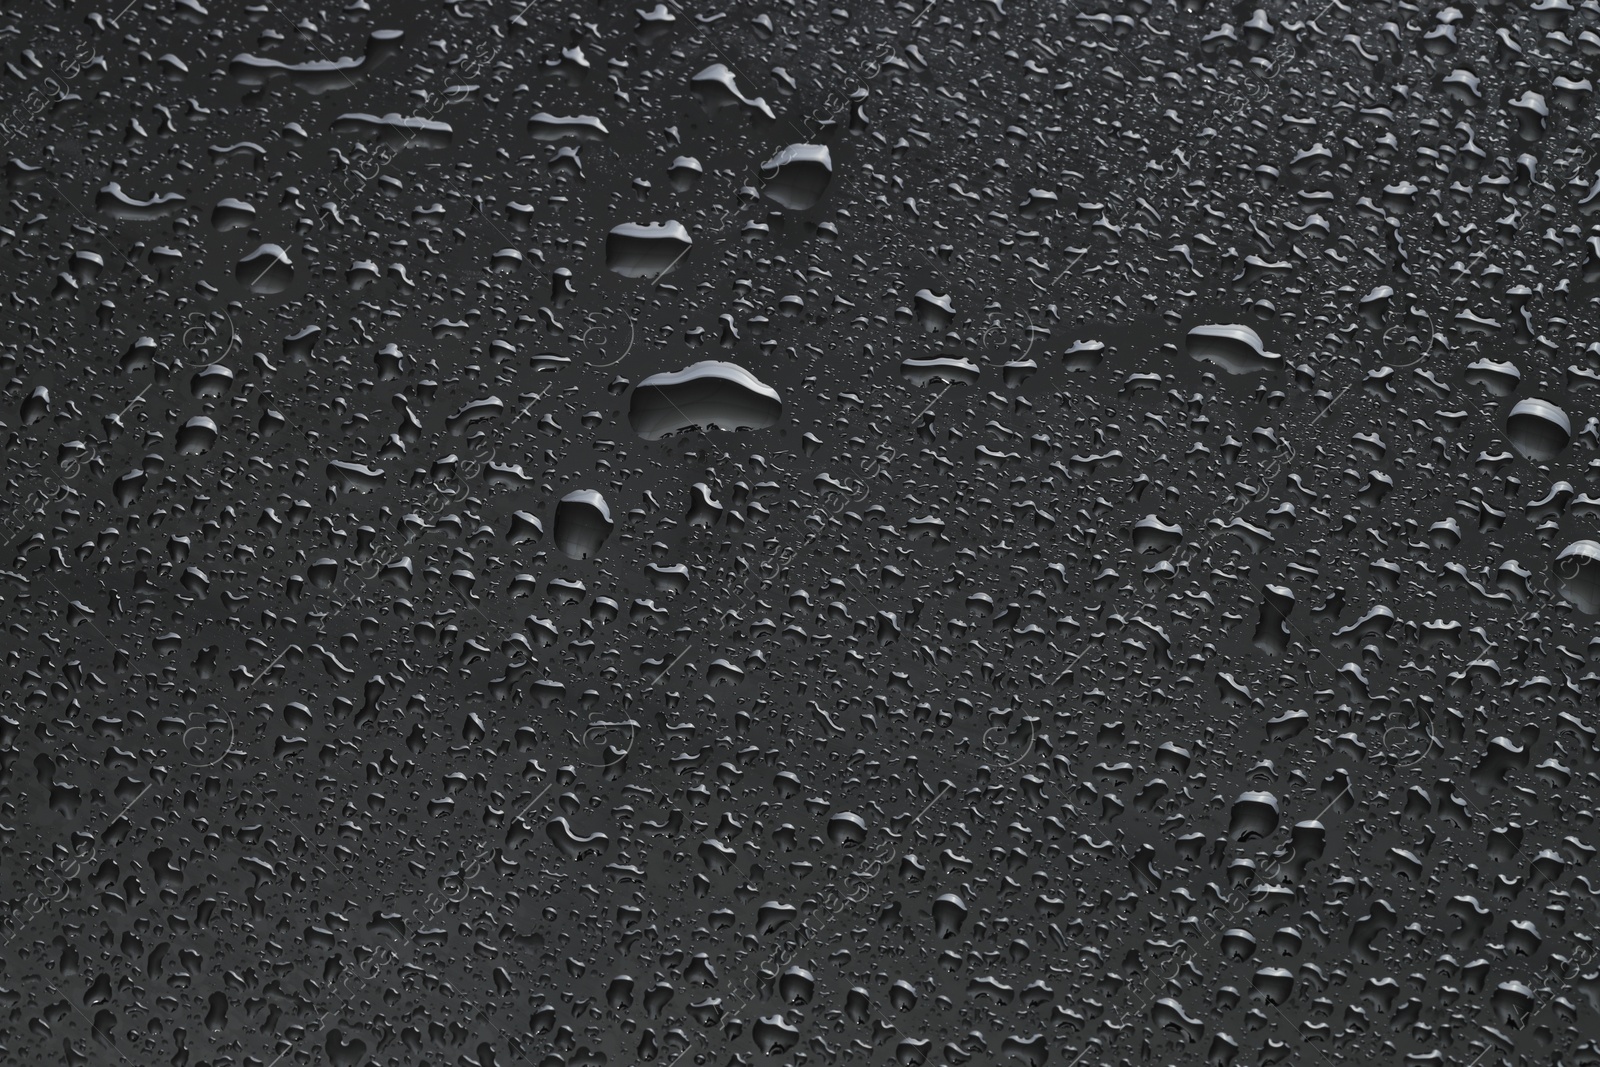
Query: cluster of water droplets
918	533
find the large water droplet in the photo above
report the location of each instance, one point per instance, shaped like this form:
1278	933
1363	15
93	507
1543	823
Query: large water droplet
582	523
1236	349
1538	429
267	270
646	250
1578	574
708	393
798	176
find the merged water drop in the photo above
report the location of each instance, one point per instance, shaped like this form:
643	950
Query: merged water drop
711	393
265	271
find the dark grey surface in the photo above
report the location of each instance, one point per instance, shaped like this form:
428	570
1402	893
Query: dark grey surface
891	731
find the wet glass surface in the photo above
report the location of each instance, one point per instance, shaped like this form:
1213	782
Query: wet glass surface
917	533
